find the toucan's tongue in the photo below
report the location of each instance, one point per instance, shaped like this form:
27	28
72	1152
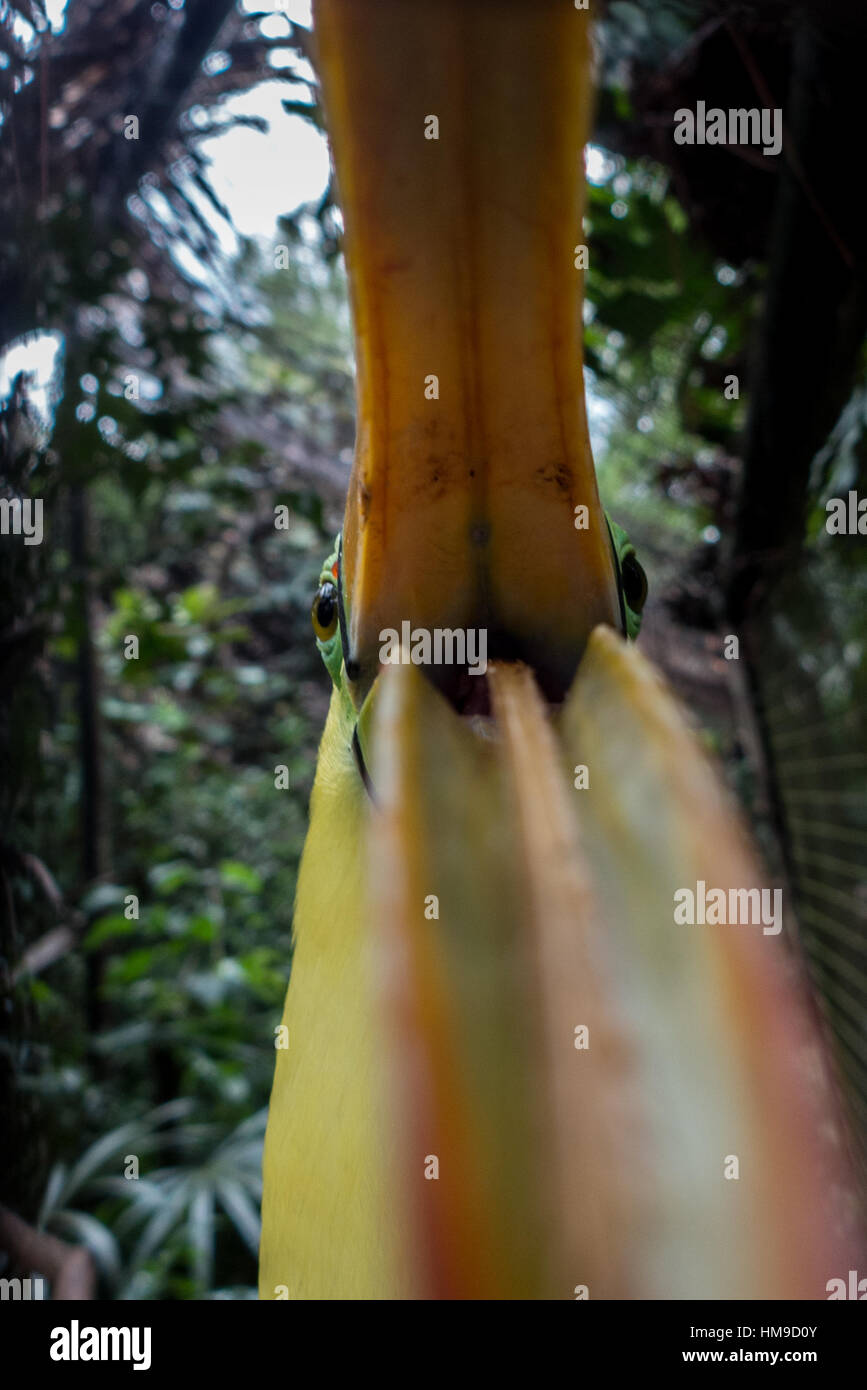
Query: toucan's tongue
457	129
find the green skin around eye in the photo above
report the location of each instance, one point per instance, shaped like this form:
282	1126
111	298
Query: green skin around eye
332	650
623	547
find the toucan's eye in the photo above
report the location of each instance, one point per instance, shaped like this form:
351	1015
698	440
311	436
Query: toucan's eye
324	613
634	583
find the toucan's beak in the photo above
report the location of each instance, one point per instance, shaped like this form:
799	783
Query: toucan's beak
458	132
616	1104
587	1095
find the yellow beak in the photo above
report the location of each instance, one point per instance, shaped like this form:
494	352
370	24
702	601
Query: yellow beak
458	132
574	1076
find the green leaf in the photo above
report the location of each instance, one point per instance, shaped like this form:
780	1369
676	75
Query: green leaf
101	896
107	929
84	1229
234	874
168	878
241	1212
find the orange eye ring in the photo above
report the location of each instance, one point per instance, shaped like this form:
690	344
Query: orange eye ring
324	611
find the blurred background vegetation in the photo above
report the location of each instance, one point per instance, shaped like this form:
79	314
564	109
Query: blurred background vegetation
198	381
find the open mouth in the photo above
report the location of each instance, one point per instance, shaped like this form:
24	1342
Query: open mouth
468	690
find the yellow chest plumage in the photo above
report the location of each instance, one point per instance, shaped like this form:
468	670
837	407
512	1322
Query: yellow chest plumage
325	1185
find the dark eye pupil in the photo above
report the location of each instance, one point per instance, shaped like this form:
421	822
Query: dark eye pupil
634	583
325	605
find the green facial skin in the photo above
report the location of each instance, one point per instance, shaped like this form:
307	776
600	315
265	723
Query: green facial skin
331	650
630	577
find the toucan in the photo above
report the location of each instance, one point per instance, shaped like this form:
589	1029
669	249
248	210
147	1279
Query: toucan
507	1067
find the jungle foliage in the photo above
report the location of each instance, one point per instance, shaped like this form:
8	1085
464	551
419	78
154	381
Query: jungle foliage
194	391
